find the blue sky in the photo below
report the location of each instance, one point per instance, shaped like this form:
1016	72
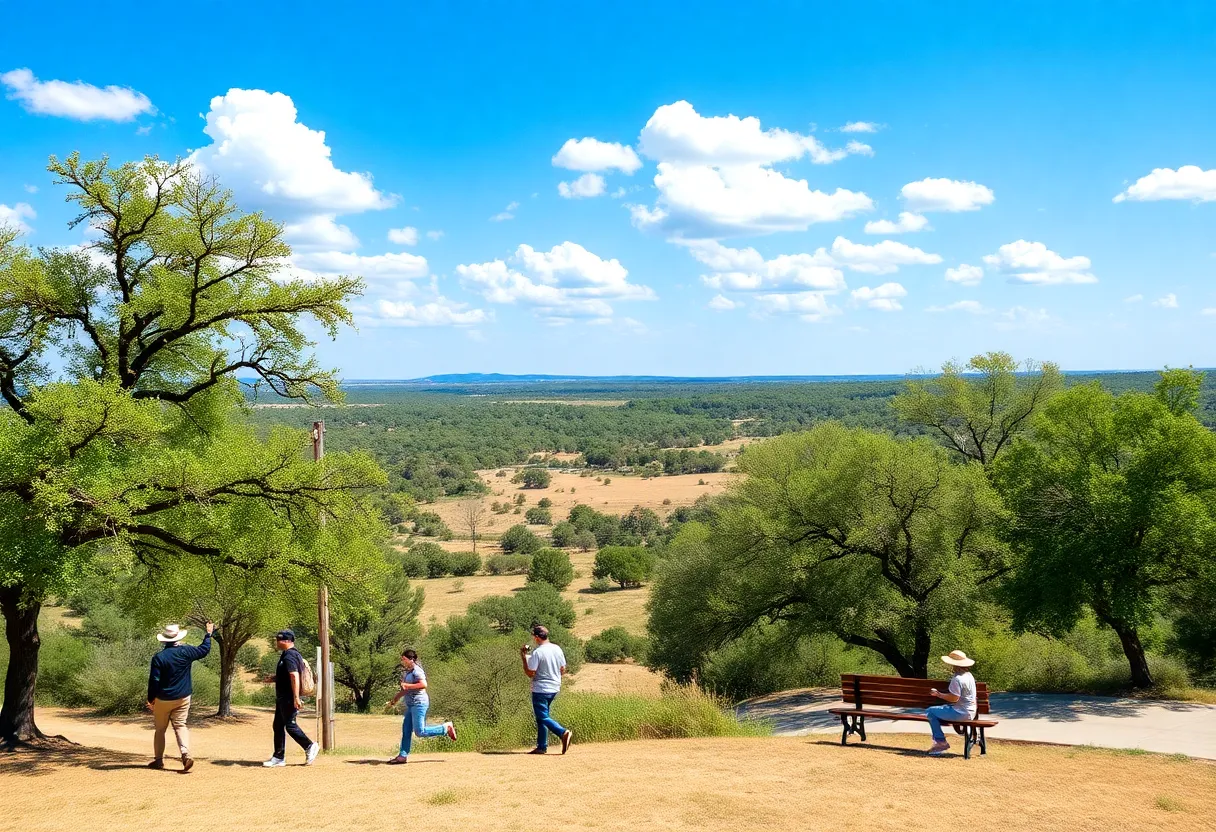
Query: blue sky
721	182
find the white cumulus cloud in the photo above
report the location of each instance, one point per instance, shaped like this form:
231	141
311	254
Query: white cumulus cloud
946	195
593	155
319	232
16	216
973	307
407	236
507	213
1021	317
439	312
722	303
1026	262
587	185
1188	182
965	275
860	127
884	298
74	99
376	268
812	307
881	258
746	270
568	282
907	223
1137	298
715	177
1169	301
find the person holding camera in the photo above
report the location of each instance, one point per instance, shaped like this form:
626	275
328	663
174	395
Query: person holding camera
545	666
417	700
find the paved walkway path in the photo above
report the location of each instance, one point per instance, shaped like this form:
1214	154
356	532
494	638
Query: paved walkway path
1163	726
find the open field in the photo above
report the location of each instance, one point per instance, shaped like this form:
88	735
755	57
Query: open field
568	490
597	611
704	784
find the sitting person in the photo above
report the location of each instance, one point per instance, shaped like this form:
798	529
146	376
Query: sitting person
960	696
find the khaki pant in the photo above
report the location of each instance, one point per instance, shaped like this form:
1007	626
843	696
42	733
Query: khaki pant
166	712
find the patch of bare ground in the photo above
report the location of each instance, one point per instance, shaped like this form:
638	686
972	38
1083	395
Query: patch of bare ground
771	784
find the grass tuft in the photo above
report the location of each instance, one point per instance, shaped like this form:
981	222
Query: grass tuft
1168	804
444	797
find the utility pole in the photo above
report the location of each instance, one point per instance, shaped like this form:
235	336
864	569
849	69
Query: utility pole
325	689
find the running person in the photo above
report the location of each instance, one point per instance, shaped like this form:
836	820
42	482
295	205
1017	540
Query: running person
413	688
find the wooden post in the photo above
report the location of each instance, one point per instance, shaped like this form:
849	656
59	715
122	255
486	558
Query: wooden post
325	693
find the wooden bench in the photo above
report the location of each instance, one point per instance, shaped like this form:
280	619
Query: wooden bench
870	696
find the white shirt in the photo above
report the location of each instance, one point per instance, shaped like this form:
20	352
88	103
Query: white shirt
548	661
962	685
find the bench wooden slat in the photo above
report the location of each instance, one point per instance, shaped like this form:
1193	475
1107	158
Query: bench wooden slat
868	699
889	690
896	715
901	683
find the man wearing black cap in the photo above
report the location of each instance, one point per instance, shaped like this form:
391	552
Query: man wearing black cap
287	702
545	666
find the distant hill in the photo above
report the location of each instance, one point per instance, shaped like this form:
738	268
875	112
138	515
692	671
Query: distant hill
537	378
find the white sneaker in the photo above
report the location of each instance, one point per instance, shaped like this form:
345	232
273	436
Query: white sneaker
313	751
450	730
274	762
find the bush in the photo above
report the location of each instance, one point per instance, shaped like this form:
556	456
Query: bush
508	564
585	541
533	478
629	566
600	585
519	540
563	534
544	502
464	564
413	563
249	657
438	560
616	644
429	524
61	659
551	566
538	516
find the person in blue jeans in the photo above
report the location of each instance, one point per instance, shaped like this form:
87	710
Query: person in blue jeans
545	666
413	688
961	698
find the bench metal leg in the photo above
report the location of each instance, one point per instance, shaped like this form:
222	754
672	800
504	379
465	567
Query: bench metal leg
852	724
969	740
983	743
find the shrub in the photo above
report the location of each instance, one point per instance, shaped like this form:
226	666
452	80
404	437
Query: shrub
464	564
520	499
600	585
533	478
551	566
519	540
438	559
429	524
627	565
413	563
585	541
62	657
538	516
545	502
563	534
536	603
616	644
508	564
249	657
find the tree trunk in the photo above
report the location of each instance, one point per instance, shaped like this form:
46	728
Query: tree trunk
920	652
228	650
21	631
886	647
1134	650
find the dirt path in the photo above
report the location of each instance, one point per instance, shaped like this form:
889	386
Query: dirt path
1106	722
742	785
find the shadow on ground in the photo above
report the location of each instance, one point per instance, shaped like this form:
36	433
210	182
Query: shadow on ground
37	761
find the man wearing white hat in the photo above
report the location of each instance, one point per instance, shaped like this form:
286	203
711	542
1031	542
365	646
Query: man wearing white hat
960	696
170	687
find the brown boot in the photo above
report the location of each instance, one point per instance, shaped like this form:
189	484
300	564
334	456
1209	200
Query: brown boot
187	763
157	764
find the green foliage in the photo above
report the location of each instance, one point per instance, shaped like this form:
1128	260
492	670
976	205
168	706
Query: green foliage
876	540
533	478
977	409
629	566
643	523
551	566
413	563
544	502
538	516
508	564
563	534
600	585
438	559
464	564
585	541
519	540
536	603
616	644
1115	507
367	639
249	656
430	524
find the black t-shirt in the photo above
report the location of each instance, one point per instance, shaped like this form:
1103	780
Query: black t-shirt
289	662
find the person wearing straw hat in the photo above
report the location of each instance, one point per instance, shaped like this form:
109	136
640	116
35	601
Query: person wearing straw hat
169	690
960	698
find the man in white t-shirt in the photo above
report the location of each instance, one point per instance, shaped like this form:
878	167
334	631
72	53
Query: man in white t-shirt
960	696
545	666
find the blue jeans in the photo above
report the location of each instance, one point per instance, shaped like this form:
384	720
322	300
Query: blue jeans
936	713
545	723
415	724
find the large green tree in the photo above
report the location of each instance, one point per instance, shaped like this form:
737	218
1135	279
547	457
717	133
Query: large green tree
1114	499
977	409
878	541
119	367
368	638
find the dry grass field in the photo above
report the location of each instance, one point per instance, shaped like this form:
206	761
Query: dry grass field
770	784
596	611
